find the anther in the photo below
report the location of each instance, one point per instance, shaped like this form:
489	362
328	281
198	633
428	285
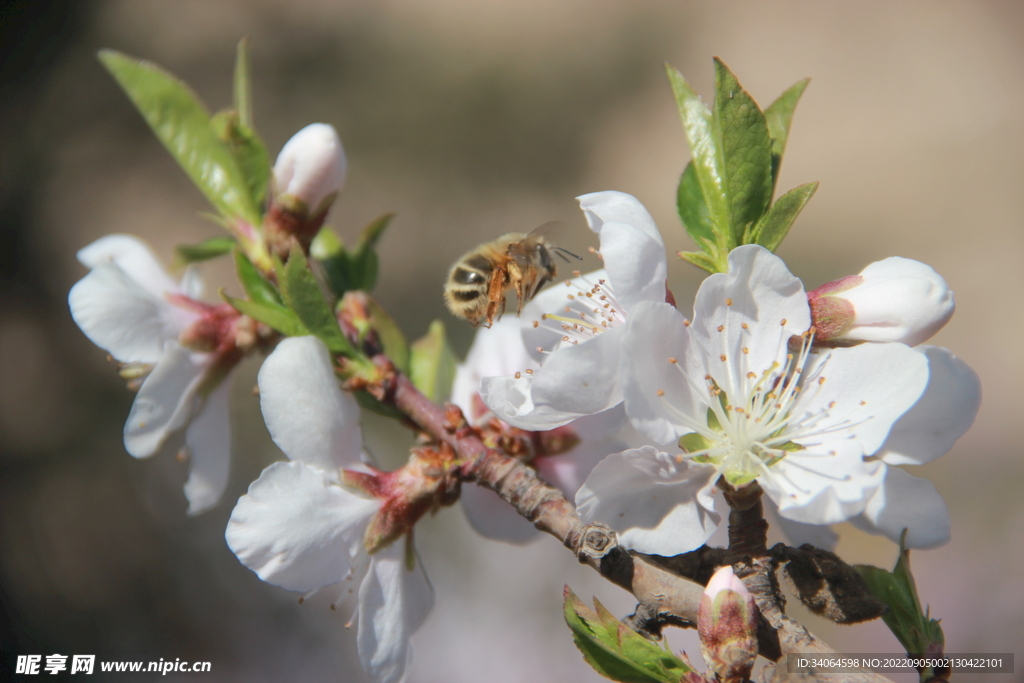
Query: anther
529	372
673	361
821	380
721	328
745	350
686	323
661	392
728	302
536	323
519	375
744	326
863	403
783	322
722	357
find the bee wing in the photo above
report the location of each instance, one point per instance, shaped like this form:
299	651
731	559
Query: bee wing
543	232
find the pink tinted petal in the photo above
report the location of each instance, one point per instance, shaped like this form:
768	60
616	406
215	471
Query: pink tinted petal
568	471
134	258
497	351
945	411
166	401
297	530
906	502
123	318
655	505
495	519
209	446
309	417
394	601
635	263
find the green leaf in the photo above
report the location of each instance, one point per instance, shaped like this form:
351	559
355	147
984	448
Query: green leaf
390	335
707	160
432	363
775	224
349	270
616	651
912	626
703	261
779	115
249	152
364	261
693	210
302	294
258	288
744	148
276	316
243	84
181	122
213	247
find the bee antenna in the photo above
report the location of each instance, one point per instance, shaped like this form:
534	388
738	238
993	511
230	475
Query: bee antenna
561	251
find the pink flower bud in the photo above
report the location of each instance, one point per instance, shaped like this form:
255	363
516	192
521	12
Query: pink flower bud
894	300
311	167
727	625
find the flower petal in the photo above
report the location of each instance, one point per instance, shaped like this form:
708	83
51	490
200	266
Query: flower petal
539	337
495	519
819	535
297	530
907	502
394	601
124	318
655	505
166	401
568	471
134	258
307	413
822	488
631	246
945	411
758	305
661	399
498	351
861	391
575	381
209	446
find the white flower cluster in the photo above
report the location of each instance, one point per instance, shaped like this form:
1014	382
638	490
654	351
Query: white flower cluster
819	398
745	390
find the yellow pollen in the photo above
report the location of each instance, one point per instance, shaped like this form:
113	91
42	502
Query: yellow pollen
686	323
722	357
708	377
673	361
744	326
832	404
576	273
567	309
752	375
590	294
728	302
821	380
565	338
529	372
544	317
519	375
745	350
721	328
595	330
536	323
661	392
784	321
863	403
570	297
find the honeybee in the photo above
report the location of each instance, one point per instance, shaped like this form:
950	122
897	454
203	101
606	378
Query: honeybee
476	284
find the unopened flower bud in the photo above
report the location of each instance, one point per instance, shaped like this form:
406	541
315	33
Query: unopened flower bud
308	175
894	300
727	625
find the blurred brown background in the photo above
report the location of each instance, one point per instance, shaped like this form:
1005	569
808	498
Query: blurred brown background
470	119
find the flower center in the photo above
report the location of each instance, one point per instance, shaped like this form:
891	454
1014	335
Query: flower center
590	309
752	425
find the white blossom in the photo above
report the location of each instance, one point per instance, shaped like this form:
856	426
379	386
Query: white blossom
579	325
745	404
893	300
499	351
311	166
129	306
301	528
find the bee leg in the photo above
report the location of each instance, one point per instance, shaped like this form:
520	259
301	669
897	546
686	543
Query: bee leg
496	295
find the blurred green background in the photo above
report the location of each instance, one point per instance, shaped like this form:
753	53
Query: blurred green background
471	119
